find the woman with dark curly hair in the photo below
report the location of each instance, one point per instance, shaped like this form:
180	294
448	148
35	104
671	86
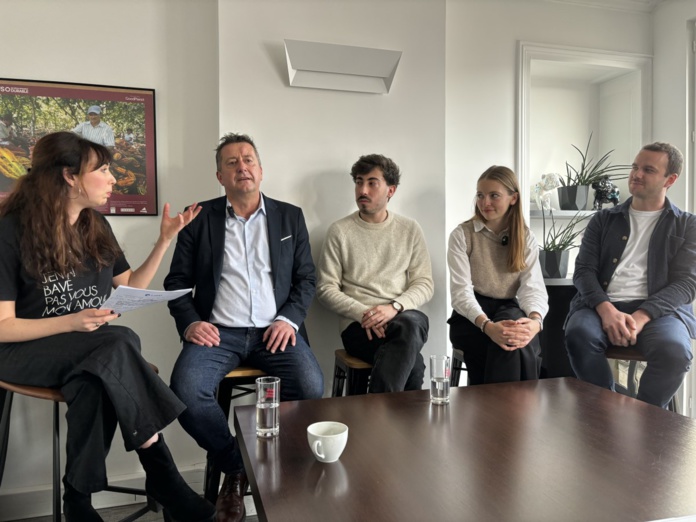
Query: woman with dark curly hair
59	261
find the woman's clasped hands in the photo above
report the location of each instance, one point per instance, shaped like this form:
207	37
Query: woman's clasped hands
512	334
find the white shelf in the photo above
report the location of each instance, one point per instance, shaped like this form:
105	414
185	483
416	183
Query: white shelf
536	214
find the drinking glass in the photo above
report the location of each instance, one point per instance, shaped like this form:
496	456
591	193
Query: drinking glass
439	379
267	402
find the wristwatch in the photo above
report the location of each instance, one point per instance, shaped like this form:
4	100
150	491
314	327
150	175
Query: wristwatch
397	306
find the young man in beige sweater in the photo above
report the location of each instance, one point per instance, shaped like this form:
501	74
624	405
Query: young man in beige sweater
375	272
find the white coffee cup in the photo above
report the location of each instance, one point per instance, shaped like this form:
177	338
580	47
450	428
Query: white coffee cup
327	440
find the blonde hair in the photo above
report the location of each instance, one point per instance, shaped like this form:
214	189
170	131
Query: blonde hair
514	220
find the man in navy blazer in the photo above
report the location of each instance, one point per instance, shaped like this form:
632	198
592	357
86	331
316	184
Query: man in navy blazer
249	263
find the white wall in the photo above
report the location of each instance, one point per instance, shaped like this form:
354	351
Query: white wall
672	105
481	74
561	112
673	102
621	115
308	139
564	112
169	45
450	114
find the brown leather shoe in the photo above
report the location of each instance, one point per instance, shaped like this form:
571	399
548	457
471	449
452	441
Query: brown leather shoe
230	502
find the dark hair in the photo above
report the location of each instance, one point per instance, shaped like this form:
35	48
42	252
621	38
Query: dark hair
675	159
7	117
49	243
233	137
368	163
514	219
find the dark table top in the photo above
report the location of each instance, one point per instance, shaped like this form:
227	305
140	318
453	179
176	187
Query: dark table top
549	450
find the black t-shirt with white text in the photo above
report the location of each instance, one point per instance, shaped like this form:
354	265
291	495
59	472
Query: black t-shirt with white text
55	294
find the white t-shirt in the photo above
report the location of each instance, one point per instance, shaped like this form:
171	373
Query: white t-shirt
630	279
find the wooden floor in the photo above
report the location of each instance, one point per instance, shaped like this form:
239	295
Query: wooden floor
117	513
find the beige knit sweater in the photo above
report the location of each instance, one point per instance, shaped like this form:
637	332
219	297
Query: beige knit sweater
366	264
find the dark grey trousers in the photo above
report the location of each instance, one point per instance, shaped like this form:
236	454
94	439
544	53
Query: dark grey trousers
397	363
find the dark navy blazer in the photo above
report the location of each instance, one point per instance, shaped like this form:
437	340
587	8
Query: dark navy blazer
198	258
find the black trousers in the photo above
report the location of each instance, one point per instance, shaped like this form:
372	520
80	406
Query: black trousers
486	362
397	363
105	382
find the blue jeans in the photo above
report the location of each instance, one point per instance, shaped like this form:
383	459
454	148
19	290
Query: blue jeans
397	363
199	370
664	342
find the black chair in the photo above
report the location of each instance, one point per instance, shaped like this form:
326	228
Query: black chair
351	375
7	390
633	356
458	366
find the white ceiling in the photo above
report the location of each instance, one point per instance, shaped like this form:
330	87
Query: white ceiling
645	6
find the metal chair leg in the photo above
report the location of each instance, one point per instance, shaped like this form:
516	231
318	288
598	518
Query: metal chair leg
5	410
456	371
56	462
338	382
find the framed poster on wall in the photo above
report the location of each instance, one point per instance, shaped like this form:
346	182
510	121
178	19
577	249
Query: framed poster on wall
120	118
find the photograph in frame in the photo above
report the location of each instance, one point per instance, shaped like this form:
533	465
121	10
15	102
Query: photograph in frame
120	118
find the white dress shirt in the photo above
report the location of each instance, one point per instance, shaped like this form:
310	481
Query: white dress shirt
245	296
531	295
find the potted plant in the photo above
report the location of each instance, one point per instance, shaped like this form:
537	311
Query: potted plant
557	243
575	187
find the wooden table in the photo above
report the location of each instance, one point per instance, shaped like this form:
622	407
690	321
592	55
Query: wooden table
555	449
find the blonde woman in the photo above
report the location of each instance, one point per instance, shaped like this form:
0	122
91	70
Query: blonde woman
497	290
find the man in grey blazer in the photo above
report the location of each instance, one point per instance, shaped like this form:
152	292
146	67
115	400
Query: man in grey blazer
249	262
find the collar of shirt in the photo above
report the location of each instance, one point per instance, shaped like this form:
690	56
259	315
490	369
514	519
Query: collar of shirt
480	225
245	296
231	214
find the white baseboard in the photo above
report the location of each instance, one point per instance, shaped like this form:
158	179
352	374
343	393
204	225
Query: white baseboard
24	503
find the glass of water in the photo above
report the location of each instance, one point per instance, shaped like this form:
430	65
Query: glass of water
439	379
267	402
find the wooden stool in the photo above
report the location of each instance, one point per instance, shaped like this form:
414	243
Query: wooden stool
240	382
7	390
356	371
458	366
633	356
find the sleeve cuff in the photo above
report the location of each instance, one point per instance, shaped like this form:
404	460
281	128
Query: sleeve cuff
285	319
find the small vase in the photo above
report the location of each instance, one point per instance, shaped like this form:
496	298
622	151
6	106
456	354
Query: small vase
554	265
573	197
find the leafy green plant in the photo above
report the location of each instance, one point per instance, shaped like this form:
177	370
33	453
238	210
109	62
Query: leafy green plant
590	170
562	237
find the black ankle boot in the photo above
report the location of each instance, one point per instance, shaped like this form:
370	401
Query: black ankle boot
164	483
77	507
